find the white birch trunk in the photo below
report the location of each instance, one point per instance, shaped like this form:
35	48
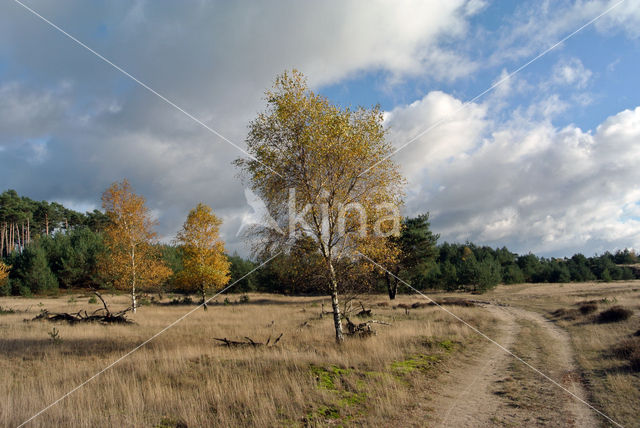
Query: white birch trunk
133	279
337	322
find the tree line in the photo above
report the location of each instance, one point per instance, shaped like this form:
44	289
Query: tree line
114	249
425	265
62	249
70	254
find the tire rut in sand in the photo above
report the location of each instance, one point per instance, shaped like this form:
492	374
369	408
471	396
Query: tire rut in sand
492	388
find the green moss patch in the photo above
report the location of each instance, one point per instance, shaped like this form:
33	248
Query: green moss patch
347	393
420	362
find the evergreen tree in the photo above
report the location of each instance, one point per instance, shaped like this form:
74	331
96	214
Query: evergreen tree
30	272
418	252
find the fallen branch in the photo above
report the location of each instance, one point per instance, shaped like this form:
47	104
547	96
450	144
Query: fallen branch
230	342
364	312
106	308
81	316
303	325
248	342
379	322
362	329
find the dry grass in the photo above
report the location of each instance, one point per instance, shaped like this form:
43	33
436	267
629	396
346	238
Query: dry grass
184	378
532	400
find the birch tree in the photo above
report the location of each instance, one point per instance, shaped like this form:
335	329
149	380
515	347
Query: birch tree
132	261
4	273
323	172
205	264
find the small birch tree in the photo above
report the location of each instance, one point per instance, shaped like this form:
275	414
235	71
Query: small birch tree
132	261
331	166
205	264
4	273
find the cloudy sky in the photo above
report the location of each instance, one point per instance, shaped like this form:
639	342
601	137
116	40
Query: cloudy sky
546	161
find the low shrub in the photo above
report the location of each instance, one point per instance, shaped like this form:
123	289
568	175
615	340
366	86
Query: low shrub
454	301
629	350
614	314
627	347
635	362
587	308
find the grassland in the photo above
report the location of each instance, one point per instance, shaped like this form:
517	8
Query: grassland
185	378
424	369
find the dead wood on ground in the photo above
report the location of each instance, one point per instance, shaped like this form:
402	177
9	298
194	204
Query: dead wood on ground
102	315
247	342
362	329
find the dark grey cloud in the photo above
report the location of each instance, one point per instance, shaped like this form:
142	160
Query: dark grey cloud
70	124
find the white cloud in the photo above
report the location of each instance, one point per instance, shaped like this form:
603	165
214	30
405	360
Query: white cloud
571	72
547	107
523	183
625	17
451	130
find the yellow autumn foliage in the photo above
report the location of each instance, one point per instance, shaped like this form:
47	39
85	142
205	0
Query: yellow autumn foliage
205	264
337	164
4	273
133	260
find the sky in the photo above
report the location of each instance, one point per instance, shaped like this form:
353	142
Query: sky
509	143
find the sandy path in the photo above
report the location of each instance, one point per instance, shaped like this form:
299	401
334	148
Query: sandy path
474	392
582	415
466	398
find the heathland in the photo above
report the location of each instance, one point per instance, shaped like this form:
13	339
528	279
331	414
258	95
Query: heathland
423	366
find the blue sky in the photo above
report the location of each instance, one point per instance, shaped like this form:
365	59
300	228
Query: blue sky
544	163
612	58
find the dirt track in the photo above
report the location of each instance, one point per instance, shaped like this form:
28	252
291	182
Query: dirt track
495	389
